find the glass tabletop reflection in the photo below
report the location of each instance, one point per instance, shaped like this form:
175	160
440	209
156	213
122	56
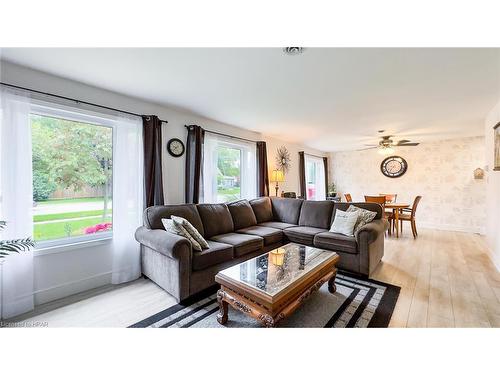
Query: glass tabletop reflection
275	270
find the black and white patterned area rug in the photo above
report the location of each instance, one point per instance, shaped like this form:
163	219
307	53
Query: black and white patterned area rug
358	302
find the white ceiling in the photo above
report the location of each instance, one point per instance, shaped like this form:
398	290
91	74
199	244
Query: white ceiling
327	98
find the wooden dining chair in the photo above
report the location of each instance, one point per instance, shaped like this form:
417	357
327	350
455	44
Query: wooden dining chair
408	214
348	197
380	199
390	198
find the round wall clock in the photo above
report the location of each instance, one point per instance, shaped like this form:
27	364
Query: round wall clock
175	147
394	166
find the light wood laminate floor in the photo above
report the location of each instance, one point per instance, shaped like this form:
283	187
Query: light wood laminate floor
446	280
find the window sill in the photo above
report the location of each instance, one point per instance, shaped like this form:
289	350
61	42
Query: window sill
62	248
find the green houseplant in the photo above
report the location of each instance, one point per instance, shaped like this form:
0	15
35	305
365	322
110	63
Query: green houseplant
332	190
8	247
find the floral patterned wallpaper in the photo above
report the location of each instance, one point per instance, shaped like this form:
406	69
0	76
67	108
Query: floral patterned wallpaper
442	172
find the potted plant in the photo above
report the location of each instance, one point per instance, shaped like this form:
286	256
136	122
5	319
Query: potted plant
332	190
8	247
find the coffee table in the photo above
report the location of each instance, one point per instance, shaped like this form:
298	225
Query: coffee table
272	286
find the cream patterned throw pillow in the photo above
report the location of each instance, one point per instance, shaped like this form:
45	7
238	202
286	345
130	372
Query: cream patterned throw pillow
365	216
191	230
174	228
344	222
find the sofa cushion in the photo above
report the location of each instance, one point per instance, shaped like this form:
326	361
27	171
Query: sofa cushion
242	243
216	253
302	235
344	206
154	214
286	210
277	225
316	214
216	219
262	209
270	235
336	242
242	214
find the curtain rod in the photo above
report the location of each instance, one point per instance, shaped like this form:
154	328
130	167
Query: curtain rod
225	135
76	100
316	156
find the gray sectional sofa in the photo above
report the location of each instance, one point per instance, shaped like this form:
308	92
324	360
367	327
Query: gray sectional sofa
241	230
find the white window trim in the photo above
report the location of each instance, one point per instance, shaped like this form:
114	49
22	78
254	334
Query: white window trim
319	161
247	166
47	109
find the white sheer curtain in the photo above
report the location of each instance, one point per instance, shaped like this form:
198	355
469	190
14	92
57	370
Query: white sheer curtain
128	198
16	201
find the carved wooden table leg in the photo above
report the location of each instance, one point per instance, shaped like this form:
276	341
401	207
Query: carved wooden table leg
222	315
268	321
332	288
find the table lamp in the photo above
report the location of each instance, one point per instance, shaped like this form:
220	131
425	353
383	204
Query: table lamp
277	176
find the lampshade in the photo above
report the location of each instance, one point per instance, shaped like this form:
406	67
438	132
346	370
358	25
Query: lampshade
386	150
277	176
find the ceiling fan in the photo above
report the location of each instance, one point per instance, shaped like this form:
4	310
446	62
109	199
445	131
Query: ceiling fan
386	144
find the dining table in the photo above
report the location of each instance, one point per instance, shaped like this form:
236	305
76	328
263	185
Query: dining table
396	208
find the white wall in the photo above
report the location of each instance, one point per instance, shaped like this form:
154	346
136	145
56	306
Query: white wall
67	272
442	172
493	189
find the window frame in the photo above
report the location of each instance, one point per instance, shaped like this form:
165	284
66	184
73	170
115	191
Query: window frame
245	148
319	171
40	108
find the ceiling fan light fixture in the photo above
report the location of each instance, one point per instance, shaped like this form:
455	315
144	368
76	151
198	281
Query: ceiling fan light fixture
385	150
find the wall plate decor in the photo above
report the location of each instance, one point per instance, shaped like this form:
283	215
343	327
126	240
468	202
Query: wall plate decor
394	166
175	147
496	163
283	160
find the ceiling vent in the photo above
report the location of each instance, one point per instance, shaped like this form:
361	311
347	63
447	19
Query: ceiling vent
292	51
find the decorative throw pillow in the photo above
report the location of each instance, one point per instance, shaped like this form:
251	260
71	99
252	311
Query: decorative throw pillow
365	216
191	230
172	227
344	222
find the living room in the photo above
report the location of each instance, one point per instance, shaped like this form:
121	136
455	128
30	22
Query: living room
250	187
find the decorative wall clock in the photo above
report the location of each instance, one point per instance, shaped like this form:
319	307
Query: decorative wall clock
175	147
394	166
283	160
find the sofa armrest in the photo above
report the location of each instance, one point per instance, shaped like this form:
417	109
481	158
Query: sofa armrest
372	230
165	243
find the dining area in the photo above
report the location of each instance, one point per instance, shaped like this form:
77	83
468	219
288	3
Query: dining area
396	212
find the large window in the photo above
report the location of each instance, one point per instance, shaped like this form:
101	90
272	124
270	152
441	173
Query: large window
315	178
228	170
72	177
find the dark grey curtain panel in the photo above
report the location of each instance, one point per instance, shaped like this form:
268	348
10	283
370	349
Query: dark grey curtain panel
153	179
302	175
325	163
194	164
262	171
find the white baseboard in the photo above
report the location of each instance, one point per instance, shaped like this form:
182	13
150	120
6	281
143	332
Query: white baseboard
70	288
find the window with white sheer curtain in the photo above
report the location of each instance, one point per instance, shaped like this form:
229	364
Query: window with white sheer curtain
116	140
315	178
229	169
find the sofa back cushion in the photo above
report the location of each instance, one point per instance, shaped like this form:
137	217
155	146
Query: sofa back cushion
242	214
316	214
262	209
286	210
216	219
154	214
344	206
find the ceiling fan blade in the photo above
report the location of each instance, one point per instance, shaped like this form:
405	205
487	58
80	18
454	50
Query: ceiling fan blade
408	144
404	141
371	145
368	148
